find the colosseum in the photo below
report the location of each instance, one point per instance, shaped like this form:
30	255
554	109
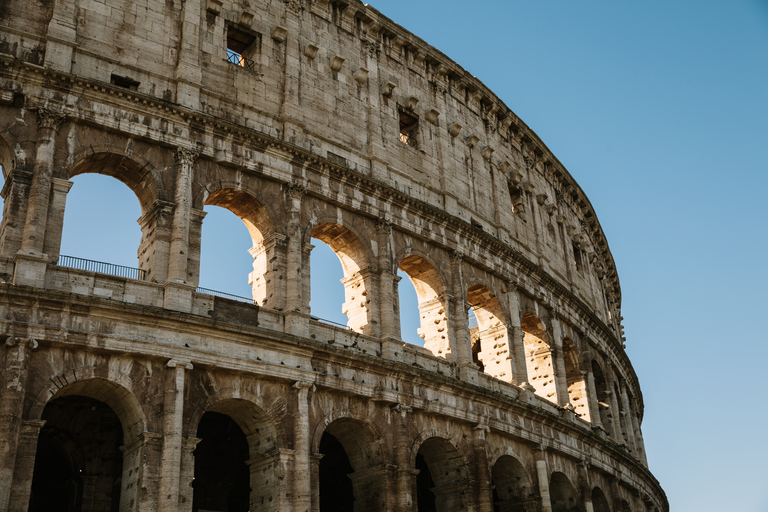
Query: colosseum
132	389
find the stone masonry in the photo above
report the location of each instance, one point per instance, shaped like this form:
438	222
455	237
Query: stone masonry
133	390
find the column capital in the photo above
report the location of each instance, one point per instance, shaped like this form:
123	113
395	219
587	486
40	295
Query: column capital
176	363
48	118
402	408
383	227
295	189
13	341
186	156
457	257
303	385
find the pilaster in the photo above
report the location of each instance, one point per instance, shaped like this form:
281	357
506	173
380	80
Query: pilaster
173	412
302	484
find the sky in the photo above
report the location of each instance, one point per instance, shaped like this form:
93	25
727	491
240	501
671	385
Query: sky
659	110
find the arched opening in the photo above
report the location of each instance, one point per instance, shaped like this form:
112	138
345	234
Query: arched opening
93	425
357	306
625	507
432	303
99	220
234	467
512	489
100	224
577	387
336	492
222	479
408	308
562	494
351	474
538	357
79	463
490	343
442	478
599	501
256	270
603	398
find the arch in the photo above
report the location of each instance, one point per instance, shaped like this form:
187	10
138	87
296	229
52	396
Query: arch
132	169
268	265
352	473
599	501
79	461
117	392
577	386
490	340
357	280
443	478
433	302
240	428
115	389
625	506
357	434
512	487
538	357
252	413
562	494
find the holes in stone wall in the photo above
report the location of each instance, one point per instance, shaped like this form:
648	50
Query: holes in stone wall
433	303
538	357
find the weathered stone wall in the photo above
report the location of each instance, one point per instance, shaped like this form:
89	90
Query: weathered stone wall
338	125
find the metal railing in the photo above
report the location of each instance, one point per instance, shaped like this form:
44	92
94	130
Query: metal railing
331	322
223	295
238	60
101	267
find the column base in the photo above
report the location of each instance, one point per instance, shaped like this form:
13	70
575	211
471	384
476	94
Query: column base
29	268
178	296
468	372
392	349
297	324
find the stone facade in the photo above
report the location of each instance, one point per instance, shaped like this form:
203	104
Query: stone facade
307	119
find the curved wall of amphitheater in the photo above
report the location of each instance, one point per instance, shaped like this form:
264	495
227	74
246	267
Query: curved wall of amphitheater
133	390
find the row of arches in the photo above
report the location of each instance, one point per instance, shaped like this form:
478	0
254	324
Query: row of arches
237	458
515	339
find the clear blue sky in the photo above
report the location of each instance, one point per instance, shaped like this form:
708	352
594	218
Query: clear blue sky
659	109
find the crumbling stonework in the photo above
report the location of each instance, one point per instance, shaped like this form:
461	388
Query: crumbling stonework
132	390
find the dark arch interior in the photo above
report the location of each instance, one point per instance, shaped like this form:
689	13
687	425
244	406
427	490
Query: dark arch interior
336	492
78	464
222	478
424	485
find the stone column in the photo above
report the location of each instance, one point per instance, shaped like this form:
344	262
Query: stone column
639	438
561	382
615	413
15	192
267	279
404	483
516	339
137	477
584	486
173	421
187	473
52	243
461	348
626	418
178	294
26	452
296	321
386	282
31	261
302	483
13	381
154	247
483	484
543	474
592	400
